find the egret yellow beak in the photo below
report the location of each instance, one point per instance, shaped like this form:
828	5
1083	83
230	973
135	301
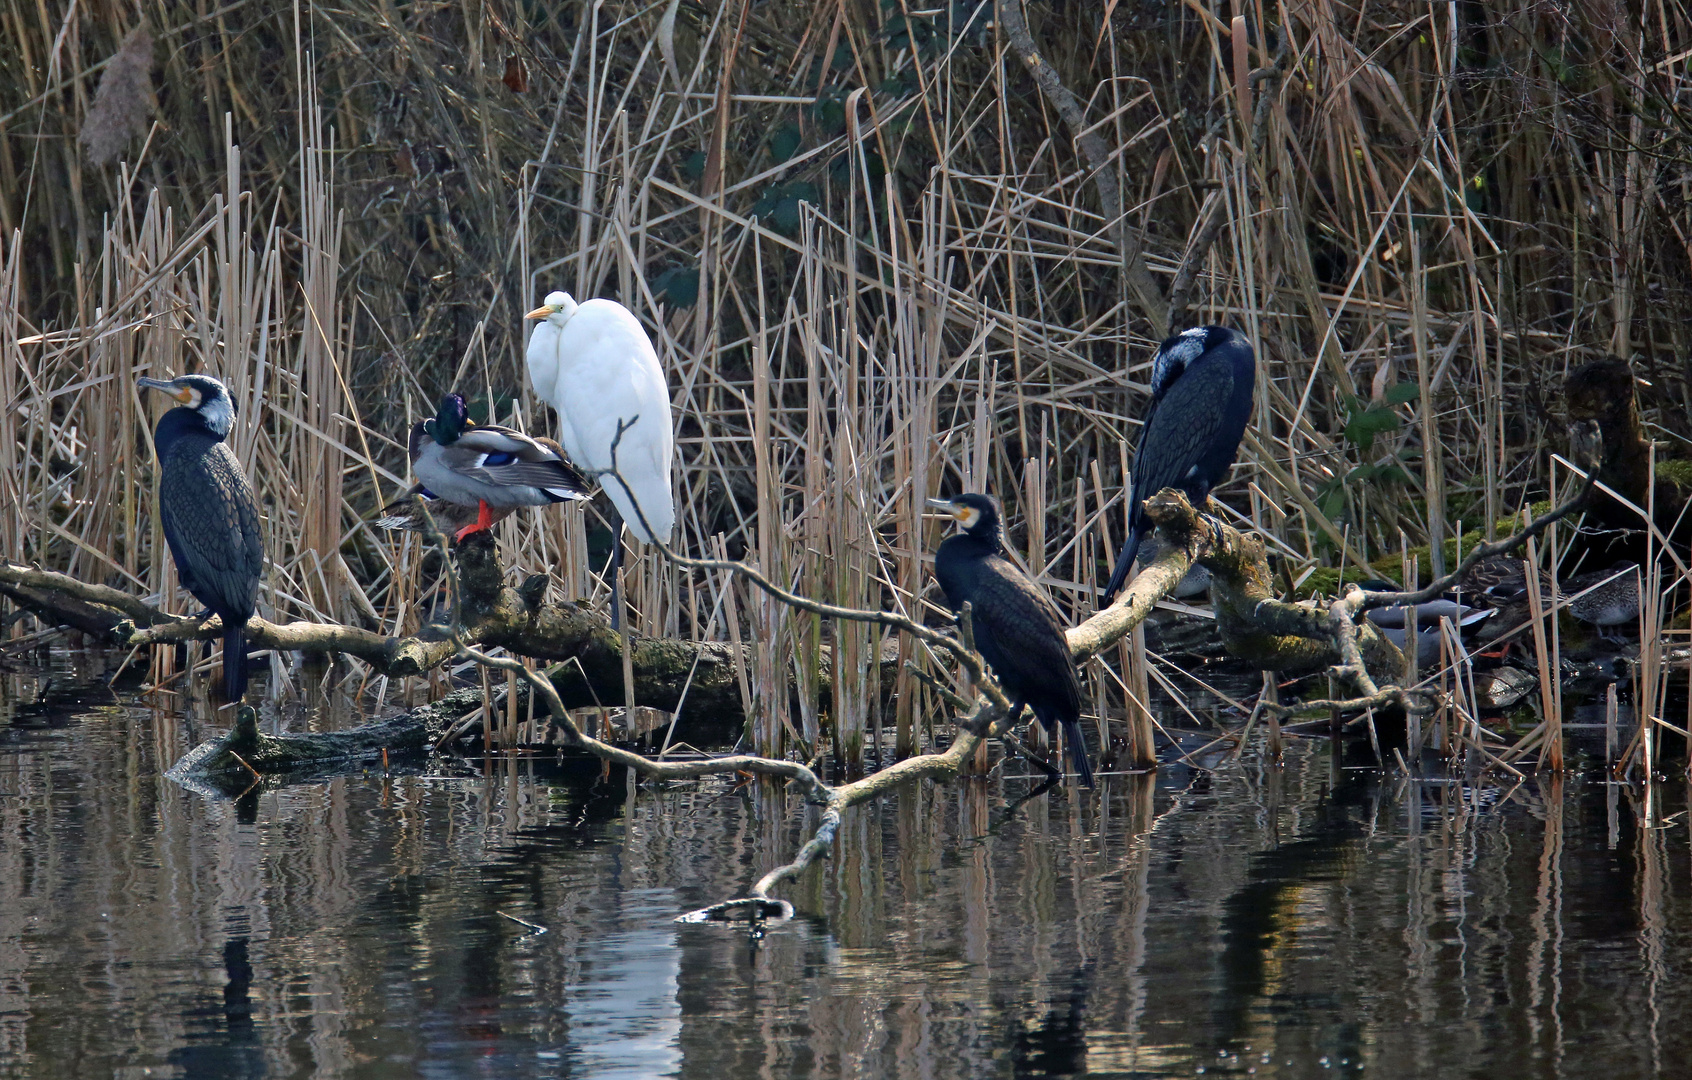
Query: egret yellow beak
542	312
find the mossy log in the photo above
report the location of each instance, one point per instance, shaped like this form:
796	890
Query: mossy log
1256	627
494	615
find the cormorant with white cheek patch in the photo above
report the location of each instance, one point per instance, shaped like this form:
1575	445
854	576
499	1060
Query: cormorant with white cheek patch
206	507
1017	628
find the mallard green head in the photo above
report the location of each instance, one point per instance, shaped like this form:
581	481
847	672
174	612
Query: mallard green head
450	421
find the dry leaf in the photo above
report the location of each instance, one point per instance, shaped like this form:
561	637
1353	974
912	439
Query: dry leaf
516	75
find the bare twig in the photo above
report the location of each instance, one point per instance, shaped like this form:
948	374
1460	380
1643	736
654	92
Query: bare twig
1211	219
1374	599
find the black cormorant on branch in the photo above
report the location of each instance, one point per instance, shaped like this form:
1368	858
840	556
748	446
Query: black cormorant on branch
207	510
475	474
1202	383
1017	628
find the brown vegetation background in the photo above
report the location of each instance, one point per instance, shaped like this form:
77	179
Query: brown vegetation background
873	254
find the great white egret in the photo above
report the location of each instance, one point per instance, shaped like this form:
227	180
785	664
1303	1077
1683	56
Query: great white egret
594	364
206	506
472	475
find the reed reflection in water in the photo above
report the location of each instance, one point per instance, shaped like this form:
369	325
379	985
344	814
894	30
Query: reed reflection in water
1312	920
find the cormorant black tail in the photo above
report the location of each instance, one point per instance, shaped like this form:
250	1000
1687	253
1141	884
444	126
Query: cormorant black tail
1123	562
1078	751
234	661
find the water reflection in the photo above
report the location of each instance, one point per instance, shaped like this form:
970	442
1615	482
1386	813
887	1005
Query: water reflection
1312	920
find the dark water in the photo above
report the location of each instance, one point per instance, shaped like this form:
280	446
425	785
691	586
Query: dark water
1312	921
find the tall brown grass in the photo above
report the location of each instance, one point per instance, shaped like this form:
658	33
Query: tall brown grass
871	259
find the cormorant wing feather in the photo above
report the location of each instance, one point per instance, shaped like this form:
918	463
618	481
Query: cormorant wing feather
211	522
1182	430
1026	632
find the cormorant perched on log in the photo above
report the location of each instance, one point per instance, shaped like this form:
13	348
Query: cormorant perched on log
1017	628
1202	382
207	510
475	474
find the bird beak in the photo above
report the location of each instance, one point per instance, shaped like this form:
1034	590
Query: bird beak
184	394
945	506
541	312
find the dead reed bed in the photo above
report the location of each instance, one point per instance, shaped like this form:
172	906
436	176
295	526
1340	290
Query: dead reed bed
879	261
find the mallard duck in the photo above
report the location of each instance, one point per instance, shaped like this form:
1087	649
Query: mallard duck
1502	579
471	475
1428	612
1391	621
1605	598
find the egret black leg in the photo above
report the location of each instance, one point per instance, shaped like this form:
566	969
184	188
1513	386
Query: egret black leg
616	570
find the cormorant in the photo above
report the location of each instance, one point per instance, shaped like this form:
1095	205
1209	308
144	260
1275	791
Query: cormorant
475	474
1017	628
207	510
1202	382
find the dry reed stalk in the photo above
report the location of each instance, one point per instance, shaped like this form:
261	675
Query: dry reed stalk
974	283
1551	716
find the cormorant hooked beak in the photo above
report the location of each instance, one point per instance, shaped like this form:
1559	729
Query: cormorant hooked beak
963	514
176	388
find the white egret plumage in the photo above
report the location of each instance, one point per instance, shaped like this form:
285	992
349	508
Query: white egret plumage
594	364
